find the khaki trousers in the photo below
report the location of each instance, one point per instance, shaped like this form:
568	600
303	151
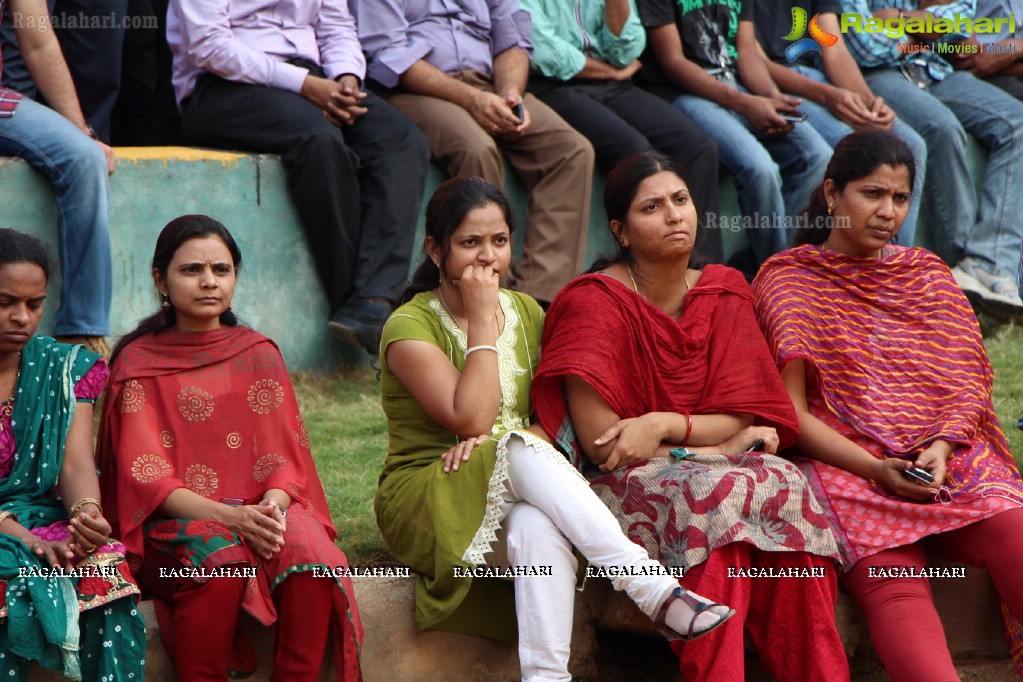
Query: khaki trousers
553	160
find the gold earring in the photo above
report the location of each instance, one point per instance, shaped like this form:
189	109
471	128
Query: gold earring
166	302
831	207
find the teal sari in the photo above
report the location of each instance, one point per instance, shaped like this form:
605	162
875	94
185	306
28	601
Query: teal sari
42	621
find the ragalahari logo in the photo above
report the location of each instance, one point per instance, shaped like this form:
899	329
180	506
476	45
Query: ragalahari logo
818	36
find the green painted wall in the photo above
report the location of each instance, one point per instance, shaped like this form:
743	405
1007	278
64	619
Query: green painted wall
278	292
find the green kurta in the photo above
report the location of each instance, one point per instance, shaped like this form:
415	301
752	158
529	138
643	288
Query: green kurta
434	521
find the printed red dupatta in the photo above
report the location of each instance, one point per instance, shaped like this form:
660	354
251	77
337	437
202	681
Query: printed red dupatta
213	412
712	360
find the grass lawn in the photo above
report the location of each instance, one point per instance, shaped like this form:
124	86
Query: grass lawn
349	436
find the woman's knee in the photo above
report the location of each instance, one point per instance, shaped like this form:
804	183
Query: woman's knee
532	534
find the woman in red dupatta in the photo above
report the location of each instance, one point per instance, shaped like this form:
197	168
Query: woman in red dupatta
669	386
206	464
883	358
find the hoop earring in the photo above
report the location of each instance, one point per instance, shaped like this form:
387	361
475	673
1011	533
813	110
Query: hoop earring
166	302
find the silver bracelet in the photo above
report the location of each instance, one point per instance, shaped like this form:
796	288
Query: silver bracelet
473	349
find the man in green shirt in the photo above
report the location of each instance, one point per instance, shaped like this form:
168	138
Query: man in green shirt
584	55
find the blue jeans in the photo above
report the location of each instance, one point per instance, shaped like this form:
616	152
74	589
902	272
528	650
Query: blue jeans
774	175
77	170
989	230
833	130
1019	273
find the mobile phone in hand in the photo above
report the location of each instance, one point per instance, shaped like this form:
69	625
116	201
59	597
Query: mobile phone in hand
795	116
758	445
520	111
921	476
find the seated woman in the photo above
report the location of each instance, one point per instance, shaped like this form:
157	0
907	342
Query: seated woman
456	361
883	358
48	476
671	391
206	463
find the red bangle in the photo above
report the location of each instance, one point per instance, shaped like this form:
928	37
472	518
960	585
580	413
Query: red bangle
689	428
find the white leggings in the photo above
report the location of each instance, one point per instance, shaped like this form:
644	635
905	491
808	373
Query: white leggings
550	509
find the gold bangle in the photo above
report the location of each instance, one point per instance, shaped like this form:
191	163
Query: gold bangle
8	515
77	506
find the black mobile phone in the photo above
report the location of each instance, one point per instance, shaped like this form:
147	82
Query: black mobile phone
921	476
520	111
795	116
757	446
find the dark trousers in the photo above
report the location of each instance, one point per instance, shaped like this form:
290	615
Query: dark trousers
620	119
357	190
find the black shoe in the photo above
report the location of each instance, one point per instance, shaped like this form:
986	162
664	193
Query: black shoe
358	324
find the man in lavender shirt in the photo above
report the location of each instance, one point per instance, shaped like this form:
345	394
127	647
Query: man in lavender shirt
285	77
459	70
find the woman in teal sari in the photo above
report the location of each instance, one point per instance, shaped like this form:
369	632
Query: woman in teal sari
57	561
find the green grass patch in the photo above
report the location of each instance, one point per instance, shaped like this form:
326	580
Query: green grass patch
348	436
348	433
1005	348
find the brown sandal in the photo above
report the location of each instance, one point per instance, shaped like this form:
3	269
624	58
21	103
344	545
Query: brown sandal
697	605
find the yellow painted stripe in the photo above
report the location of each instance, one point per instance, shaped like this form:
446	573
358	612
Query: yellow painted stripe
165	154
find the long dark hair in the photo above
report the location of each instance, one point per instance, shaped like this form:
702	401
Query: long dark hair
448	207
176	233
18	247
620	190
856	156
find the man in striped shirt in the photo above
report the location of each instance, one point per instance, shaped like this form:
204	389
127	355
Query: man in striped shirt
979	235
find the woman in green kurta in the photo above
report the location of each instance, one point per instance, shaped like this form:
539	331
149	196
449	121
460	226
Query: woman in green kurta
457	360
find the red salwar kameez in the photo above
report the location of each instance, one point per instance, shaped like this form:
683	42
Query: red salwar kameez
719	516
215	412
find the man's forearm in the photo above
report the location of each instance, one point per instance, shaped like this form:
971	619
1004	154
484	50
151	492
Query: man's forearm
595	69
795	83
49	71
423	78
839	65
511	72
616	13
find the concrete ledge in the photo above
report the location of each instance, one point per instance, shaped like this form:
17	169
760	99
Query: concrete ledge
394	651
968	606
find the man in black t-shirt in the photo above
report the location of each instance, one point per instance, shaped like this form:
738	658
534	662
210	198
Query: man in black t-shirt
703	57
836	98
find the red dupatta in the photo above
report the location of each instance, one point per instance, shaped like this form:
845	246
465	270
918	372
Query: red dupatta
712	360
213	412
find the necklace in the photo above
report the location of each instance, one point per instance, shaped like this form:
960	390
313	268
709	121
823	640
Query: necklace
7	407
685	278
447	309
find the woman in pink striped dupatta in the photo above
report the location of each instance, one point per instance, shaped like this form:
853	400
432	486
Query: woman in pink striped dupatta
883	359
